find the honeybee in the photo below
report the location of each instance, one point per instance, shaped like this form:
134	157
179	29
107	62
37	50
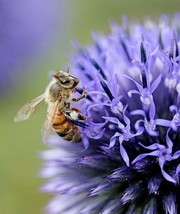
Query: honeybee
60	116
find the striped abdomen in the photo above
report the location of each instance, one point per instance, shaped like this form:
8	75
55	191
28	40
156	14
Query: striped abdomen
65	128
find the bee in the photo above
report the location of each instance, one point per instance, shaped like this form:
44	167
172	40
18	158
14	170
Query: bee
64	124
60	116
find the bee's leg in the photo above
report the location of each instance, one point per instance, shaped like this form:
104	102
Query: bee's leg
83	95
67	106
66	111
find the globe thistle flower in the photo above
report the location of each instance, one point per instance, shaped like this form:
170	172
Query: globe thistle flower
25	29
129	159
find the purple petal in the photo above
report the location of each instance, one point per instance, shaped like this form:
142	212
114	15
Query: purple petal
113	140
126	119
116	100
140	88
138	112
152	132
165	174
151	147
155	83
114	120
85	142
152	110
169	142
176	155
96	136
163	122
173	108
141	156
137	124
140	130
97	92
123	152
115	83
95	105
133	92
97	126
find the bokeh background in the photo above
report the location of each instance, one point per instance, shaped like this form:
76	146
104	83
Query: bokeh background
35	38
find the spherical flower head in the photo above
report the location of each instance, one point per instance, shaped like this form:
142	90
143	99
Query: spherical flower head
129	159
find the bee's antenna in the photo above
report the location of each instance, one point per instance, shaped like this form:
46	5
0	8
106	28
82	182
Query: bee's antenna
68	70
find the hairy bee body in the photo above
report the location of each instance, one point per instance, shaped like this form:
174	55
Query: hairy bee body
65	129
58	97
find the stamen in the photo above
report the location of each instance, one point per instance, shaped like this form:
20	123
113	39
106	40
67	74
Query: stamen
98	68
98	47
171	51
143	54
81	67
88	76
160	42
125	50
176	50
143	60
107	90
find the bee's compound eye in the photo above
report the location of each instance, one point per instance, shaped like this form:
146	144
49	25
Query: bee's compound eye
64	80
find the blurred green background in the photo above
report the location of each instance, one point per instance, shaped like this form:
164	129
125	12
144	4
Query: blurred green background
20	142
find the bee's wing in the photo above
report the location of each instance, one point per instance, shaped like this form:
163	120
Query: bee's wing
28	109
47	126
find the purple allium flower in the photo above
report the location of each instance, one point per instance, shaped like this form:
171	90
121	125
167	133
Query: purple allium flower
26	29
129	159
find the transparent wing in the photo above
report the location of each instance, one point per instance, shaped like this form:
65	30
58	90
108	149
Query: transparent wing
28	109
47	126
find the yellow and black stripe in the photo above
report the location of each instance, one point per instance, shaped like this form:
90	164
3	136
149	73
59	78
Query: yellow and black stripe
65	128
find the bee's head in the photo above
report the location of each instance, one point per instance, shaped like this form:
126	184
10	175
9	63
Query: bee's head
66	80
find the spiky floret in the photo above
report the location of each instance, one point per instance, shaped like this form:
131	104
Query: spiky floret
131	160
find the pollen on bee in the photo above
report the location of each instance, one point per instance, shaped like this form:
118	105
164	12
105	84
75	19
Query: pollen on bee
74	115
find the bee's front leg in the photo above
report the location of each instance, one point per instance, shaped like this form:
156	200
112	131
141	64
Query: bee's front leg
83	95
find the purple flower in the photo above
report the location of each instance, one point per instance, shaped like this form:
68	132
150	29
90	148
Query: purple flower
26	29
129	159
